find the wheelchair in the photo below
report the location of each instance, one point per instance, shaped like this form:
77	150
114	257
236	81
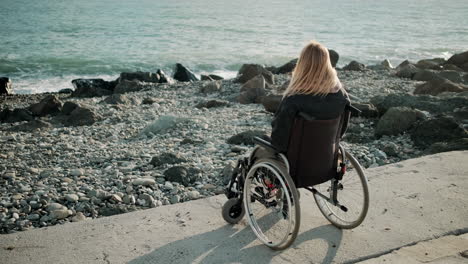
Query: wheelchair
264	187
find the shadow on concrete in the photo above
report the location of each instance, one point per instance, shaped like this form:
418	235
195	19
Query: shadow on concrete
228	245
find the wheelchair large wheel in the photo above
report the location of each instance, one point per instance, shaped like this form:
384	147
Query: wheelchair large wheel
352	193
272	204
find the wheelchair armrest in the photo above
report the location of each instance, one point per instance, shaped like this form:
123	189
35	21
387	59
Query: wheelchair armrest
353	109
266	144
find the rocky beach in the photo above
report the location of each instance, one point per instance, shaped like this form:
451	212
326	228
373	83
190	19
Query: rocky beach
149	139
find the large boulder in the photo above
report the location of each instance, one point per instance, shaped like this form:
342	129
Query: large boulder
334	57
17	115
50	105
426	75
397	120
252	90
460	60
5	85
126	86
354	66
68	107
438	86
435	130
249	71
432	104
140	76
246	137
453	76
407	70
456	144
271	102
81	116
433	64
286	68
166	158
184	74
92	87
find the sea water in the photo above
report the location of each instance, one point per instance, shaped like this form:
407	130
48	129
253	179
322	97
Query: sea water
44	44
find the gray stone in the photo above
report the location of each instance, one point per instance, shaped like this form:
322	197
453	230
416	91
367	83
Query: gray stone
59	213
72	198
252	90
33	217
182	175
407	71
117	99
78	217
211	87
166	158
54	206
139	76
126	86
438	86
129	199
271	102
81	117
459	59
175	199
452	145
354	66
193	195
68	107
368	110
92	87
249	71
397	120
48	106
17	115
246	137
212	104
144	182
441	129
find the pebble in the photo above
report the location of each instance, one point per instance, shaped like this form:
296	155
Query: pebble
78	217
72	197
144	182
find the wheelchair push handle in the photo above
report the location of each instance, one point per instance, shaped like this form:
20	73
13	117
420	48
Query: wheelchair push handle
266	144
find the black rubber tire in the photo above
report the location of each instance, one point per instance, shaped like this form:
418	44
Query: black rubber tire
233	211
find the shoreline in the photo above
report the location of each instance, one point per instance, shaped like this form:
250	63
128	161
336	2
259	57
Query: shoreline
108	148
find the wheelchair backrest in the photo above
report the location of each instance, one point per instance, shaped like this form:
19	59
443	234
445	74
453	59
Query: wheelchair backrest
313	148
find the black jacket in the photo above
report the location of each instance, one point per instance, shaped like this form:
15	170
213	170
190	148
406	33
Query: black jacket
329	106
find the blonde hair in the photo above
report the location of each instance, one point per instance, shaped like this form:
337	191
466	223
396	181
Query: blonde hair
313	73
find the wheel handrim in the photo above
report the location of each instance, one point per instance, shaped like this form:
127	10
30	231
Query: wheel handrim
261	218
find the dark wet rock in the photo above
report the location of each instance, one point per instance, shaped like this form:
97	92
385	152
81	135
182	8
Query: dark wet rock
246	137
426	75
438	86
50	105
428	103
249	71
212	103
5	85
441	129
31	126
216	77
286	68
252	90
92	87
117	99
407	70
81	116
368	110
451	67
126	86
164	78
334	57
166	158
459	59
453	76
271	102
148	101
456	144
17	115
140	76
183	74
182	175
113	209
68	107
397	120
211	87
433	64
354	66
65	91
206	78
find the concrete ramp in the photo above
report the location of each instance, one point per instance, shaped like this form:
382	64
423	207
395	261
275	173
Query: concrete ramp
411	201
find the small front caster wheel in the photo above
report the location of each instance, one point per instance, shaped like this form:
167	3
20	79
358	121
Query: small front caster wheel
233	210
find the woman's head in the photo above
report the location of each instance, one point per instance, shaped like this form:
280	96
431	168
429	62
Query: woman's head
314	73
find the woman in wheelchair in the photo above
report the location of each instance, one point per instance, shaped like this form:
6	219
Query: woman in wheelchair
304	152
